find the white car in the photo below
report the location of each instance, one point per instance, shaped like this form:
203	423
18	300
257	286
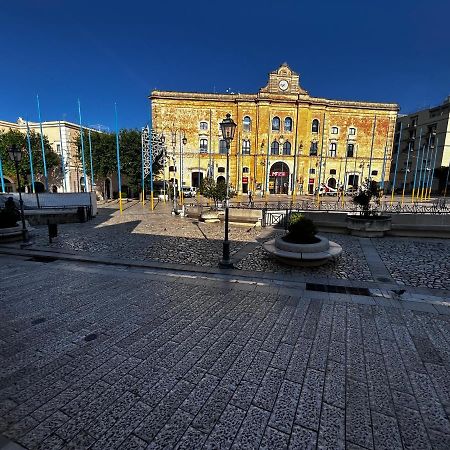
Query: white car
189	192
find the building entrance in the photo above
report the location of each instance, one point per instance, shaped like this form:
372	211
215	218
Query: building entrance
279	178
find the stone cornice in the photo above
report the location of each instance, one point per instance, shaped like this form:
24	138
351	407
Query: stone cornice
265	97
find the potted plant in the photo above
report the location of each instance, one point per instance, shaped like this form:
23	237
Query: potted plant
217	192
302	246
369	222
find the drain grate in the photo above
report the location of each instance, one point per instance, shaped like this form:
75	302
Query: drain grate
43	259
333	289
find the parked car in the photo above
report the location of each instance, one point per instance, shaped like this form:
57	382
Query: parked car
189	192
326	190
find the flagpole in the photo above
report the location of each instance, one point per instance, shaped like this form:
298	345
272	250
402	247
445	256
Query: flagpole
30	153
1	176
371	147
345	172
90	160
426	162
406	171
434	166
383	171
42	144
82	149
118	160
63	169
396	162
417	163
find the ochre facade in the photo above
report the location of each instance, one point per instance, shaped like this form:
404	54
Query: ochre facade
318	141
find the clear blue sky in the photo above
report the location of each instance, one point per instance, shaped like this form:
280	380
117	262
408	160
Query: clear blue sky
104	52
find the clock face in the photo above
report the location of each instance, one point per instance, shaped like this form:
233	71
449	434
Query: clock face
283	84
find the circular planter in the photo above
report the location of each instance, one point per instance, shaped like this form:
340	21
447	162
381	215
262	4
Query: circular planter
373	226
11	234
210	216
292	254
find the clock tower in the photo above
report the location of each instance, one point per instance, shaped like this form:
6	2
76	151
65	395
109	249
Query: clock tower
283	81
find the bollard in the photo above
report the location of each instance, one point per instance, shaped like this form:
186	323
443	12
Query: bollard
52	231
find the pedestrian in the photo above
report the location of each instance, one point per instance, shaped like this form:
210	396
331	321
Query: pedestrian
250	199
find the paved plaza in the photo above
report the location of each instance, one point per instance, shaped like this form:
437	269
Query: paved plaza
136	353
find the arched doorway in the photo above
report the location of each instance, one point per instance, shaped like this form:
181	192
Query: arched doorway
279	178
39	187
221	179
353	181
332	182
107	188
54	189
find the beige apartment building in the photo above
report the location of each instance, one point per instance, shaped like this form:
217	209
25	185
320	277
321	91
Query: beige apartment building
62	136
286	140
421	148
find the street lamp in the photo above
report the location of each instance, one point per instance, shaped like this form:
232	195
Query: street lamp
228	128
15	154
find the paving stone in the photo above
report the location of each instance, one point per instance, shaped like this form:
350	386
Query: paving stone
332	428
268	390
133	443
299	360
308	409
334	390
81	441
192	439
274	439
283	413
244	394
252	429
226	429
412	430
358	430
302	439
439	441
385	432
198	397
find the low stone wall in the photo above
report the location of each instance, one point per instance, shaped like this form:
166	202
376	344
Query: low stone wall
45	216
236	215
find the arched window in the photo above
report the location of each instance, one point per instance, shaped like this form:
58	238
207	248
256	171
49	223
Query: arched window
275	148
276	124
287	148
203	125
287	124
315	126
203	145
246	147
247	123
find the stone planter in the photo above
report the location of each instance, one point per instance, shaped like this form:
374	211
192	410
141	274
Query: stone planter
372	226
314	254
210	216
11	234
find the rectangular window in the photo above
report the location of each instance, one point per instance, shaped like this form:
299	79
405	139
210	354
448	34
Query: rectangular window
350	150
223	147
333	148
313	149
334	130
203	145
312	171
203	125
246	147
374	172
332	171
352	131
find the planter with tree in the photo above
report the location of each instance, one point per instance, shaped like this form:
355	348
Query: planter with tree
369	223
301	246
217	192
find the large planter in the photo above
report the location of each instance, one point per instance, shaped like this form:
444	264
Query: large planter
303	254
210	216
11	234
372	226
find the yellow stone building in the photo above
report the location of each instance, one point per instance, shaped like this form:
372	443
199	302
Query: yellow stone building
62	136
286	142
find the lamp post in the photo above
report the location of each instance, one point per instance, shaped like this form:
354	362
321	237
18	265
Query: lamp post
15	154
228	128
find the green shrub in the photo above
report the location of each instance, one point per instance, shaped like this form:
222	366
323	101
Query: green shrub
301	230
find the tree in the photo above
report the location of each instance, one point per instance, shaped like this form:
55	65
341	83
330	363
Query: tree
104	155
53	161
368	198
215	191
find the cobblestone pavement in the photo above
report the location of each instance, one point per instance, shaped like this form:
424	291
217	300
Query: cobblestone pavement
107	357
158	236
416	262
